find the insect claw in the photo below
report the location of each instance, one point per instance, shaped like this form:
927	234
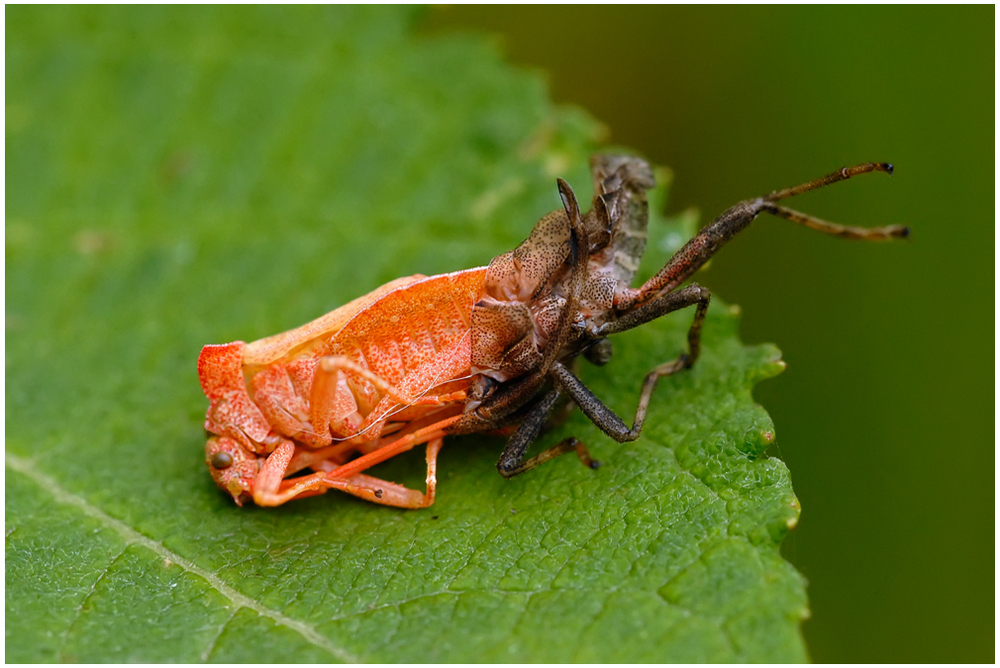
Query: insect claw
887	168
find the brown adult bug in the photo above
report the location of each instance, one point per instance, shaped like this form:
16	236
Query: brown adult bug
566	289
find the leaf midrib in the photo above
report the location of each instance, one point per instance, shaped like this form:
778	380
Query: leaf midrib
133	537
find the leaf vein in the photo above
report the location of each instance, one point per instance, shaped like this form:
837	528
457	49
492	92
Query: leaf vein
215	639
79	609
133	537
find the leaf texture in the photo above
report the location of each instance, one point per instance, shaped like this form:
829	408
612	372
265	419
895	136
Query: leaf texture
179	176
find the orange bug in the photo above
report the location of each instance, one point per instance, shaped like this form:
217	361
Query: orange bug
471	351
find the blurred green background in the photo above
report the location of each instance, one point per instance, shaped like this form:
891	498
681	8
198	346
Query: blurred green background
884	415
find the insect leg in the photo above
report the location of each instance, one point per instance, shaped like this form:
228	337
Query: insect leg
270	490
334	405
565	407
841	174
268	479
599	414
359	485
331	364
392	494
569	444
527	431
661	305
605	418
400	445
512	460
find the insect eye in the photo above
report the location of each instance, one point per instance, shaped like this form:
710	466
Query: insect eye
221	460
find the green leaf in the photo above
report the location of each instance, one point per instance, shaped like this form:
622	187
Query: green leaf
180	176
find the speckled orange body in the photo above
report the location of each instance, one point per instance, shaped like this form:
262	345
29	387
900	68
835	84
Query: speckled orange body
389	363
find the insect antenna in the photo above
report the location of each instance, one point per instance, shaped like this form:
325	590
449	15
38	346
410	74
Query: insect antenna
812	222
715	235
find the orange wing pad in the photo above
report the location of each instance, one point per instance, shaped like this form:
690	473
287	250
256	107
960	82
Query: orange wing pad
267	350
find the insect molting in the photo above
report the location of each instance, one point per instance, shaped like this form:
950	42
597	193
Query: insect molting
420	358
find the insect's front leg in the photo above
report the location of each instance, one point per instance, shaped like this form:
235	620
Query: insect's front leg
661	305
594	408
512	460
335	408
267	483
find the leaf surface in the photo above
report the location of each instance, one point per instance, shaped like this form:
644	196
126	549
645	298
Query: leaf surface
180	176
